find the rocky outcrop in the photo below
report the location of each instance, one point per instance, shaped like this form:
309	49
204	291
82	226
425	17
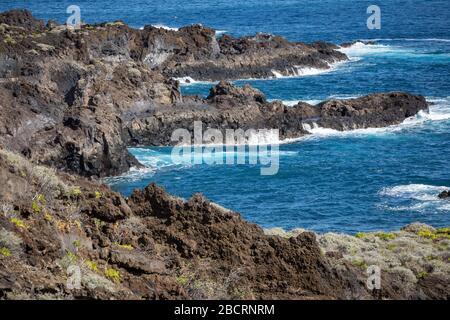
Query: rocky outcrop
375	111
75	99
226	58
230	107
64	94
444	195
155	246
414	258
22	19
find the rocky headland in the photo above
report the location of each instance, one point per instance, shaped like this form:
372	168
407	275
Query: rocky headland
72	101
76	99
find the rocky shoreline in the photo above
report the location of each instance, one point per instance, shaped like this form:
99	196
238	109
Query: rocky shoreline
86	95
72	101
156	246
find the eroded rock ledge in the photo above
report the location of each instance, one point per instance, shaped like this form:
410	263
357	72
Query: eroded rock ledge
75	99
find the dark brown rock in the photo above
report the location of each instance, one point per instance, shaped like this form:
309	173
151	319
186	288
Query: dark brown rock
85	96
444	195
162	247
23	19
231	107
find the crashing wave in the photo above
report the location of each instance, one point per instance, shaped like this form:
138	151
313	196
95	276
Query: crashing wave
162	26
360	49
418	197
410	39
299	71
440	111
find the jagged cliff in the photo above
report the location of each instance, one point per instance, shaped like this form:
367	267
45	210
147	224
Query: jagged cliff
75	99
71	101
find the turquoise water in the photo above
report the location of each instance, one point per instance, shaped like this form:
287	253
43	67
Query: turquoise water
356	181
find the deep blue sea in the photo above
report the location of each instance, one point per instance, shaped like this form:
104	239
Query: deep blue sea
374	179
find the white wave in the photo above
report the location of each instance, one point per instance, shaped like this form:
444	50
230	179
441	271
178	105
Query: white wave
152	159
314	129
410	39
162	26
319	132
293	72
220	32
262	137
186	81
289	103
268	137
419	192
444	207
342	97
155	161
421	198
299	71
360	49
134	174
440	111
313	101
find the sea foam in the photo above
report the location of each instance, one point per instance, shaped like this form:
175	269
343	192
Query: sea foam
414	197
360	49
440	111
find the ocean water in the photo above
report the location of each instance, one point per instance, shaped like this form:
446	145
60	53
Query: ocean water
374	179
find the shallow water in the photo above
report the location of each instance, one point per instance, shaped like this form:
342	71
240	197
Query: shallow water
355	181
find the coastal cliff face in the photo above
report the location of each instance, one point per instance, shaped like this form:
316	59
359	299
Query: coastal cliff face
196	53
75	99
72	101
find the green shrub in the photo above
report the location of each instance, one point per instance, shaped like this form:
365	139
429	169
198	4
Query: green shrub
71	257
98	195
422	275
360	235
41	199
9	40
114	24
48	217
442	233
391	247
125	246
360	264
46	178
386	236
5	252
91	265
99	223
113	275
35	207
76	243
182	280
18	223
75	192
